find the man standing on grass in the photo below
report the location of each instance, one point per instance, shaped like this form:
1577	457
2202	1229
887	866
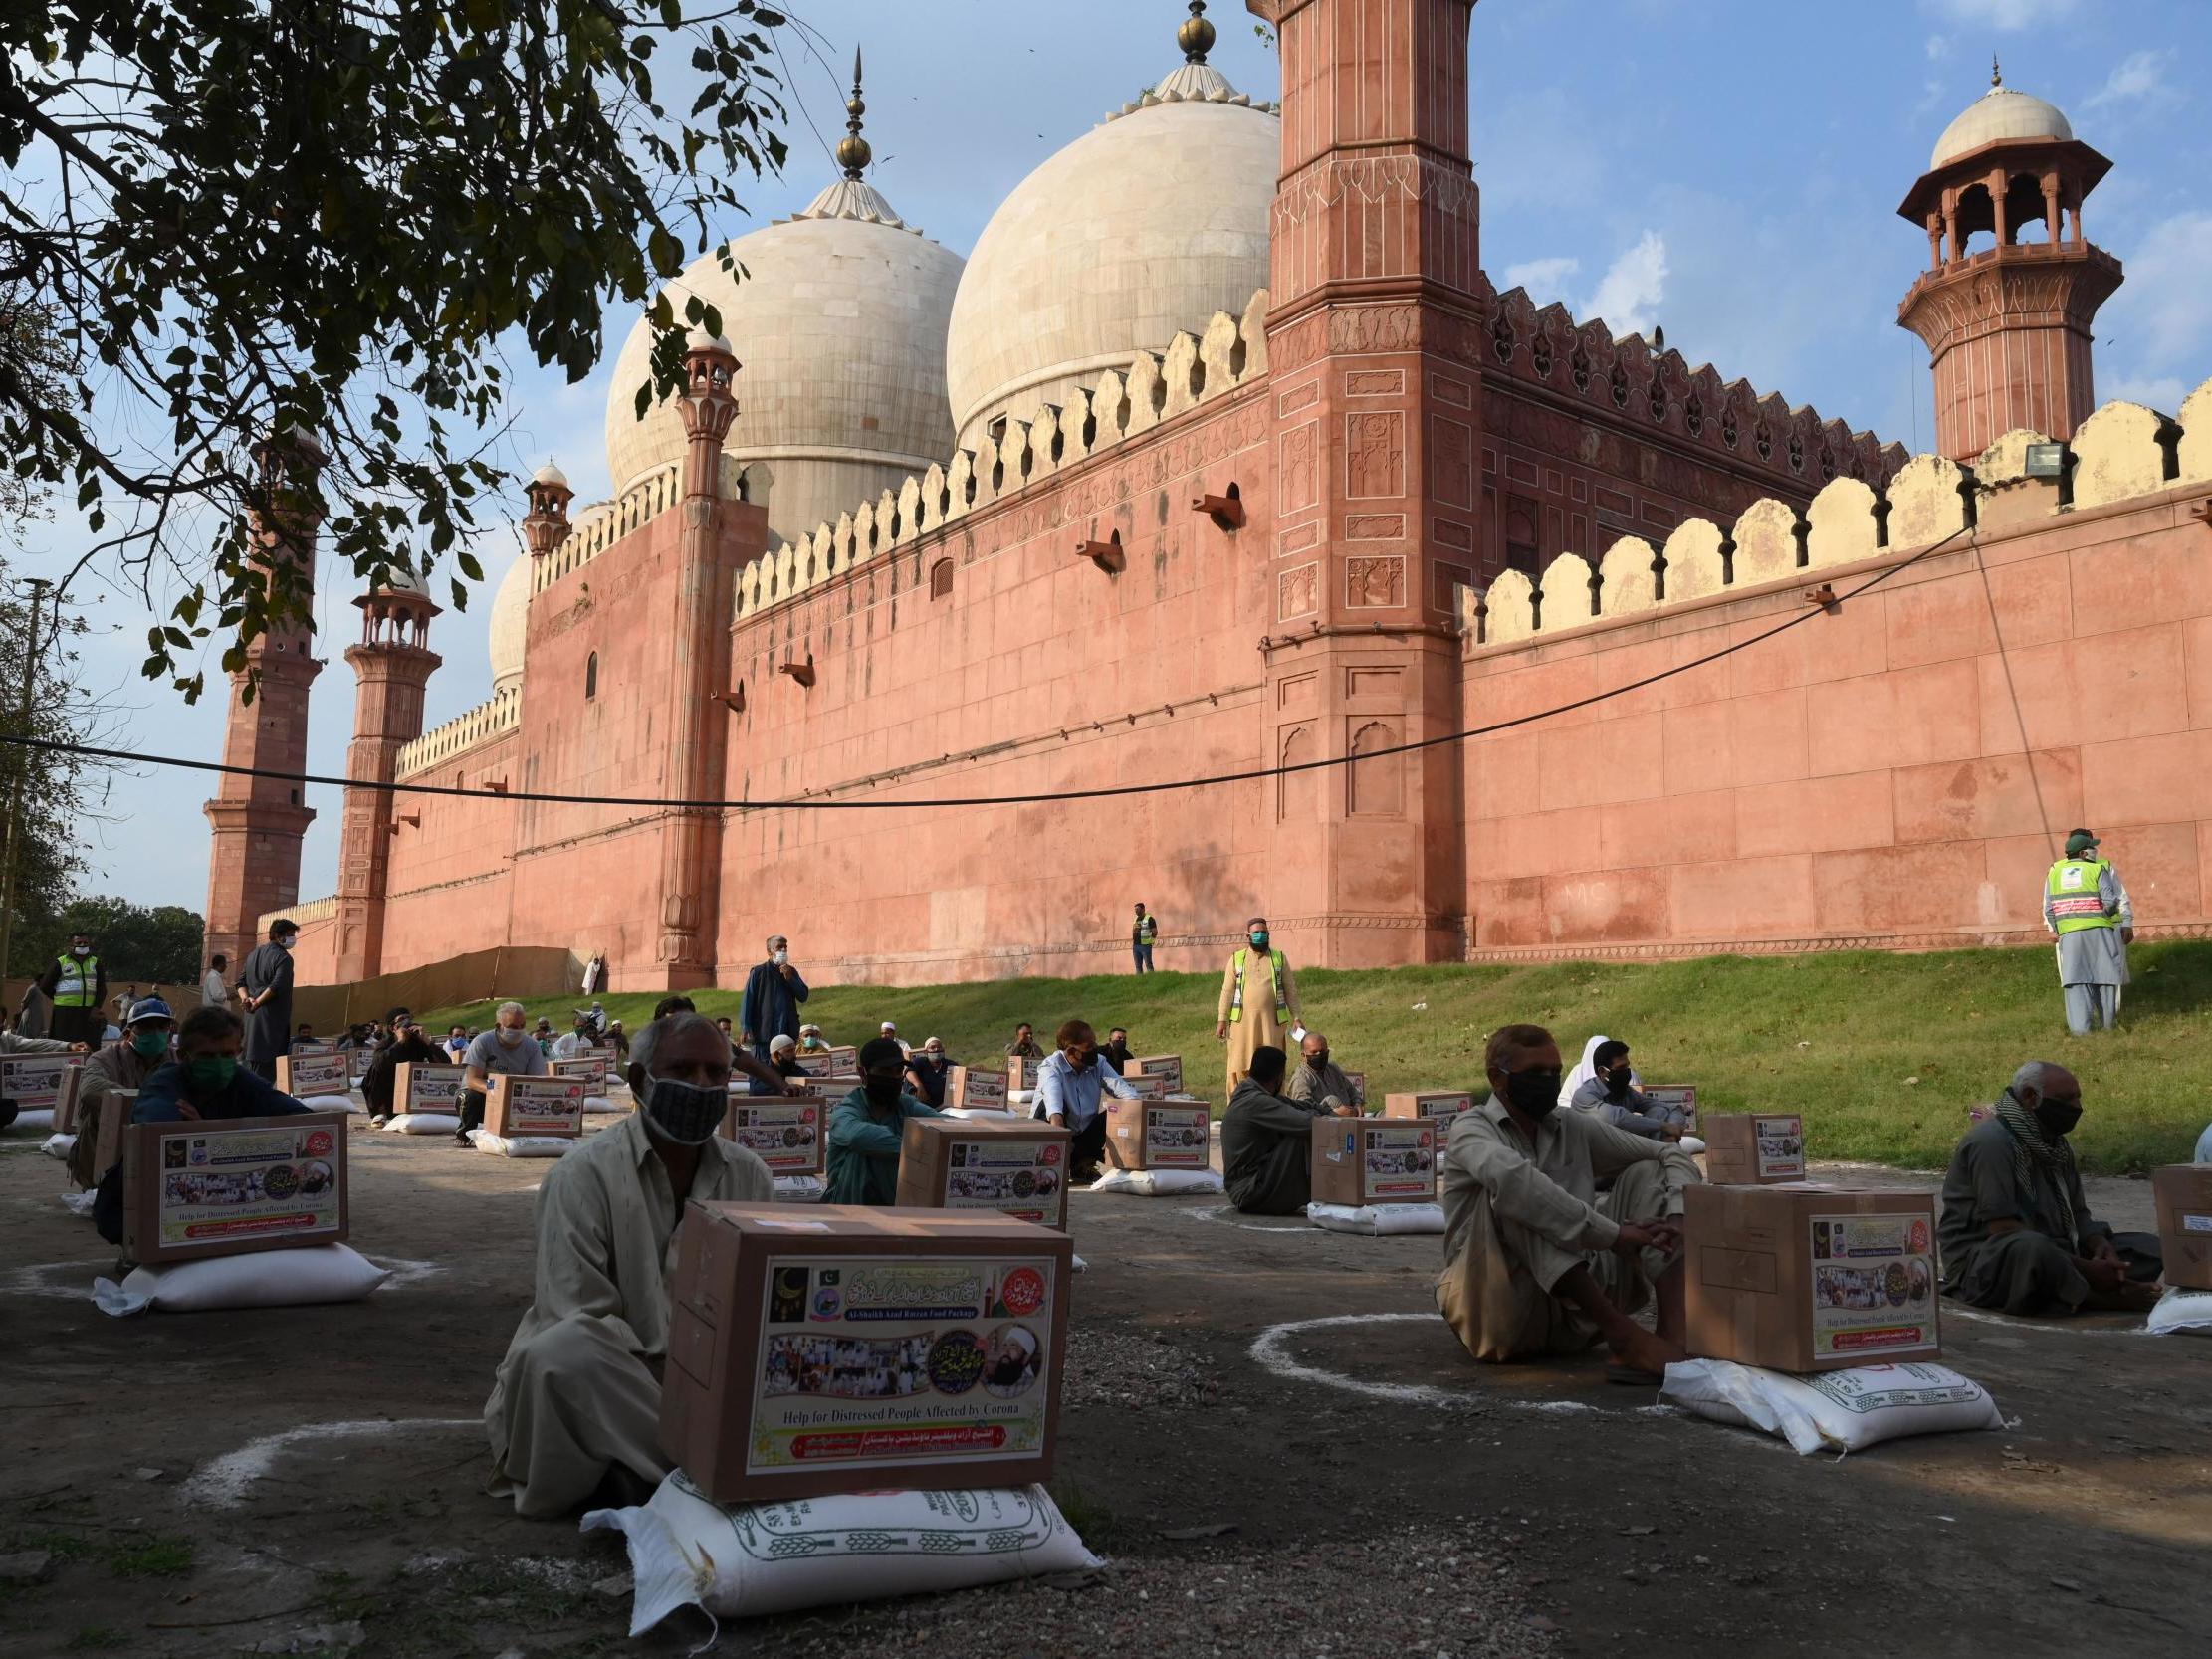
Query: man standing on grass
1144	932
1260	1001
2085	904
774	991
2017	1232
1538	1262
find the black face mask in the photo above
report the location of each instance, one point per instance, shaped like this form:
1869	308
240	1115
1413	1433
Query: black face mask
2058	1118
1082	1062
883	1091
1617	1081
1319	1062
1533	1093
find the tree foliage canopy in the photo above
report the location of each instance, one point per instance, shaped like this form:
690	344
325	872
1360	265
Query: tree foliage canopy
318	217
137	945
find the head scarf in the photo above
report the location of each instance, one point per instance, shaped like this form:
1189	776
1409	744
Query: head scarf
1588	1069
2033	1144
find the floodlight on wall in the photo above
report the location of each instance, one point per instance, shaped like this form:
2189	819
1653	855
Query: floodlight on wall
2045	461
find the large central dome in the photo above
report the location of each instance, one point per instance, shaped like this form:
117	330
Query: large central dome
1142	228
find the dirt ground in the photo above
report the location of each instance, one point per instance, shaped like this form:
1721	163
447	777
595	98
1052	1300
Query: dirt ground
1279	1446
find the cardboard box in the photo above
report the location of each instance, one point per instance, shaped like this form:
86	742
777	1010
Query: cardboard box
1149	1088
1375	1160
816	1065
971	1089
65	1105
1674	1099
311	1069
1018	1168
1439	1105
359	1060
37	1081
790	1134
842	1061
1811	1278
1358	1081
532	1106
853	1349
1167	1067
590	1070
228	1186
1021	1073
116	1107
2183	1194
1160	1135
421	1087
1755	1149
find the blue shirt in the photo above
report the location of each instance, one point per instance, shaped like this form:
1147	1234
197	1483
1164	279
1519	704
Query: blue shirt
1074	1095
249	1095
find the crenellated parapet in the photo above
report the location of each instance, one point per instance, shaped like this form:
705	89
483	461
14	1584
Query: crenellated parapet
1231	352
604	524
1659	390
503	712
2122	451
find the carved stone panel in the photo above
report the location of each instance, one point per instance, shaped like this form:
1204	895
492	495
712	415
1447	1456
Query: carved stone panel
1374	583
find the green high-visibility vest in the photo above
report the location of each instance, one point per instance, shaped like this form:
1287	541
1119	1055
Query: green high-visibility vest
1148	930
1275	966
79	986
2075	902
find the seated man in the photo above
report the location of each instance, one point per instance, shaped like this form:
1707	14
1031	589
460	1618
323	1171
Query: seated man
1612	1096
1070	1083
506	1050
1319	1081
1536	1262
205	1080
381	1081
867	1129
574	1412
1268	1140
811	1040
2017	1232
12	1042
122	1066
581	1036
1116	1052
927	1068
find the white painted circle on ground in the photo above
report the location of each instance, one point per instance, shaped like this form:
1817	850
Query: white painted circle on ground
223	1483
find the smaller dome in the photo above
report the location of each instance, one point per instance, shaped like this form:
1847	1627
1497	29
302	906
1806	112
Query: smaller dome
510	622
399	579
1998	113
550	473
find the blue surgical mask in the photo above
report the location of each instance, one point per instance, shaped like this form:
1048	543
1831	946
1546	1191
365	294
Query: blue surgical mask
1259	939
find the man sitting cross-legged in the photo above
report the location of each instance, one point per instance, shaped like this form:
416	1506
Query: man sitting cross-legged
1537	1261
575	1409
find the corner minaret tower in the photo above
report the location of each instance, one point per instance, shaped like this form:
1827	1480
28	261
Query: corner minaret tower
2008	324
258	822
392	666
1374	325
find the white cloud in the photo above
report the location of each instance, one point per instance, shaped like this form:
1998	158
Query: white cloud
2161	318
1938	45
2140	79
1633	285
2008	16
1545	278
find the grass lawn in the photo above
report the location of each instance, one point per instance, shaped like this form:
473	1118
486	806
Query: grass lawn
1881	1052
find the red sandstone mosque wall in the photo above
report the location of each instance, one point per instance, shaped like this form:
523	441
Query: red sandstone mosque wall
909	687
1894	771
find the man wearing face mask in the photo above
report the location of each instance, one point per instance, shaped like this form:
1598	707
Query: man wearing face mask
1611	1094
574	1413
926	1069
75	985
126	1064
1319	1081
1070	1083
2017	1232
1260	1001
867	1129
507	1049
773	993
1537	1260
205	1080
1268	1140
265	983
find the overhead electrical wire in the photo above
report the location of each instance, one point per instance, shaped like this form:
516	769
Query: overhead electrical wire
1168	786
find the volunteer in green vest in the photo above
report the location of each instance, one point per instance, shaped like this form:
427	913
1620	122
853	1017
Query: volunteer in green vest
77	985
1260	1002
2085	904
1144	932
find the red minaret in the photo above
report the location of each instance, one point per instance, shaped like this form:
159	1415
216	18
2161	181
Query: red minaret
2008	324
391	666
706	576
258	822
1375	387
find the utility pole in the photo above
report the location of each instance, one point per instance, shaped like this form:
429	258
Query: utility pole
20	773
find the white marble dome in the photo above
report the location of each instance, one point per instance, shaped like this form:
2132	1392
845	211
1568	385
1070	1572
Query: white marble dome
839	322
1142	228
1998	114
510	622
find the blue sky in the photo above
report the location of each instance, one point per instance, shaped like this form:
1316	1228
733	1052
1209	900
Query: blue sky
1729	169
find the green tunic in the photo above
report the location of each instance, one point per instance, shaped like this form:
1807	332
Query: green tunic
864	1148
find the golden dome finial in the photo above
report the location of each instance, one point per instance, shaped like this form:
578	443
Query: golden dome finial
1996	74
853	153
1195	37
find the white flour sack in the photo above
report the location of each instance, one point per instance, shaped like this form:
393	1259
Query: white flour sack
263	1279
748	1560
332	1102
1836	1411
2181	1313
600	1103
521	1146
1378	1220
800	1189
1156	1183
40	1117
424	1123
59	1146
